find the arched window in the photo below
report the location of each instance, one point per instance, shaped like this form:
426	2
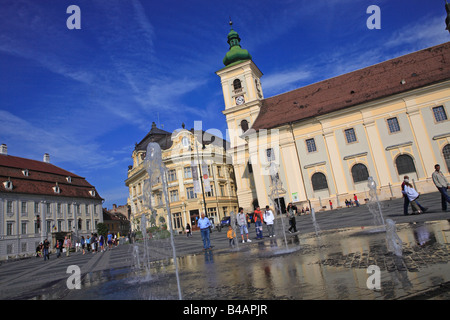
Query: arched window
237	84
405	164
359	173
319	181
244	125
446	152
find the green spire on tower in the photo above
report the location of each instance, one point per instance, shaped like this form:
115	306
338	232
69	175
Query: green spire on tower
235	54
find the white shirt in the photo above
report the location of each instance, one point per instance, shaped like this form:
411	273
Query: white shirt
268	217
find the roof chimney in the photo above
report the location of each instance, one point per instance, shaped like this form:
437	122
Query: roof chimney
46	158
4	149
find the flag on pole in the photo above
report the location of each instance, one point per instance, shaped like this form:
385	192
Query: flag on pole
205	177
195	179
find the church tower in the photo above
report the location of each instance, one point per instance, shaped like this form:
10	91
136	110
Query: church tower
242	93
241	86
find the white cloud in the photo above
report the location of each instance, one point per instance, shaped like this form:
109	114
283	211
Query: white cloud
284	80
426	32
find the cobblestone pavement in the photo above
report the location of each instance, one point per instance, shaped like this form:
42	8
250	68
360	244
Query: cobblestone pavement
347	245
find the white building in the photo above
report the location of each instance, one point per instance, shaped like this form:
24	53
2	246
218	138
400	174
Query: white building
37	199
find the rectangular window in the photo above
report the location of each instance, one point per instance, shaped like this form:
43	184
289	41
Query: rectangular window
9	206
172	175
177	222
88	224
48	208
173	195
187	172
222	190
211	193
24	228
23	207
58	208
350	135
393	125
219	171
9	228
439	114
36	207
212	212
190	193
311	145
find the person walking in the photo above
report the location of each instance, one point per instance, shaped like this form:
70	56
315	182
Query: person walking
101	243
442	185
83	244
412	195
231	235
204	224
109	239
406	198
88	244
258	218
291	210
268	219
188	230
67	245
58	247
331	204
45	247
241	219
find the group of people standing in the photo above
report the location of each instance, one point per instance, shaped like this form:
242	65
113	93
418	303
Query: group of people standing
267	217
93	243
97	243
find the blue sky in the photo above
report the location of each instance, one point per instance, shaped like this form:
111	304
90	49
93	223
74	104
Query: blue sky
87	96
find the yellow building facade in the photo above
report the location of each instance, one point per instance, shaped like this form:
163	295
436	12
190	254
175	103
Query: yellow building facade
384	121
181	150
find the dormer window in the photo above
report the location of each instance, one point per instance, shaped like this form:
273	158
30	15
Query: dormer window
69	179
92	193
8	185
56	189
25	172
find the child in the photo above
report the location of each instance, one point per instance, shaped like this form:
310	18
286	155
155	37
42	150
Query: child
231	235
412	195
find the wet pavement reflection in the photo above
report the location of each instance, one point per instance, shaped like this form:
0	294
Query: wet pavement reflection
331	266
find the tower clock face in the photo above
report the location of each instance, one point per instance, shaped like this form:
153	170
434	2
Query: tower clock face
240	100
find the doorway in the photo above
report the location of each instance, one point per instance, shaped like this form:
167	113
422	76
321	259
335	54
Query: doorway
194	215
282	205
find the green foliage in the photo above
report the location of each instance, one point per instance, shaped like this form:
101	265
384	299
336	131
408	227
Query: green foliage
102	229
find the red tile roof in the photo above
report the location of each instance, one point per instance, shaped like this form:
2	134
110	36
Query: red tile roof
417	69
41	179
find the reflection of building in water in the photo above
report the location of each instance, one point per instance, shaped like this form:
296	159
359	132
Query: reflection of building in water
179	150
384	121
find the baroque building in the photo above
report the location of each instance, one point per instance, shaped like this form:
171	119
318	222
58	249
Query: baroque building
38	200
327	138
183	152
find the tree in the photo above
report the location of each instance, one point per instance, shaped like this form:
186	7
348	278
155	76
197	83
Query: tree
102	229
